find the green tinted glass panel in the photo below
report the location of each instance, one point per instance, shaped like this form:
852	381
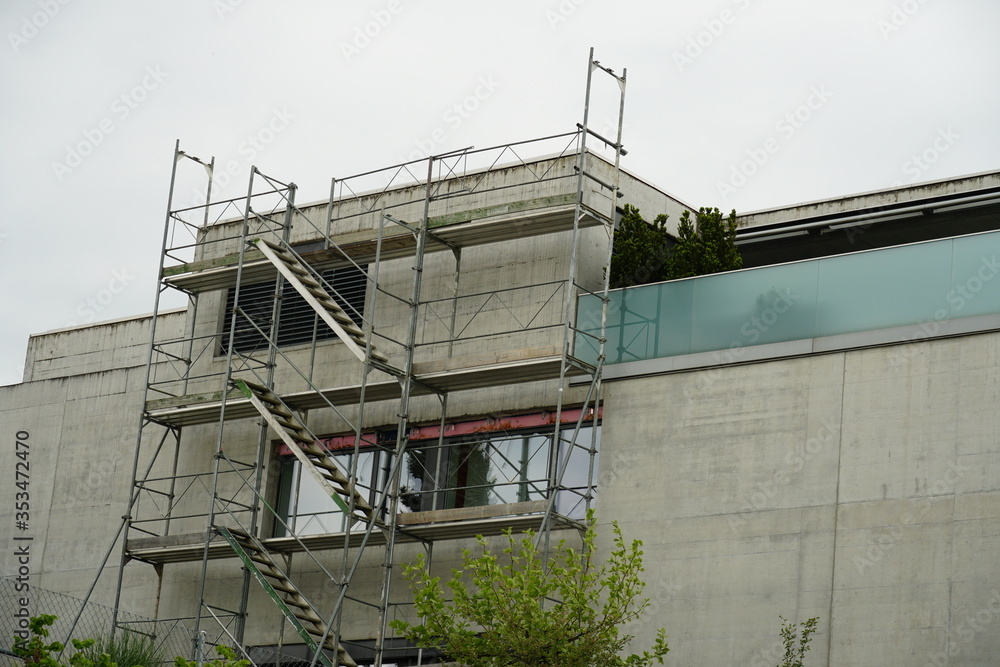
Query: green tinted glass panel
754	307
882	288
907	285
974	288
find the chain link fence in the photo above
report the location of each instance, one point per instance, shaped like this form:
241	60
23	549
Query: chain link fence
17	607
171	637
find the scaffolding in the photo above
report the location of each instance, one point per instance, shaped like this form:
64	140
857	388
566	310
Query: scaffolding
398	357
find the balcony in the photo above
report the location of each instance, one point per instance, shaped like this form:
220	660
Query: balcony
934	288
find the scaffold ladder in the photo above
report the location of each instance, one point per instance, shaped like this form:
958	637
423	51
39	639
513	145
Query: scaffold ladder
307	283
296	608
313	456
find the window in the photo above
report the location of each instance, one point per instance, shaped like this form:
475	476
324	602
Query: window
472	469
347	286
306	507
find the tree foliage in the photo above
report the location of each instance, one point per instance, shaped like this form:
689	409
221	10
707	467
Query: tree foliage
796	644
645	252
137	652
227	658
516	612
37	651
706	245
640	251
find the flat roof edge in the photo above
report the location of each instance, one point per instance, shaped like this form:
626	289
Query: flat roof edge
928	186
102	323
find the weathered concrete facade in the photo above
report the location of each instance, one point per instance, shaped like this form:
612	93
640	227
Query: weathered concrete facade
853	484
860	487
79	406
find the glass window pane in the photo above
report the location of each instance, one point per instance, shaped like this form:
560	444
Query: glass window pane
502	469
570	500
417	486
517	464
468	479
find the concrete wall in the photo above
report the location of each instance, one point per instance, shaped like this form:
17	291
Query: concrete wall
860	487
80	410
98	347
506	188
83	402
513	264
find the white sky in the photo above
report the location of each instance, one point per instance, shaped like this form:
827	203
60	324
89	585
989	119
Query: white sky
707	82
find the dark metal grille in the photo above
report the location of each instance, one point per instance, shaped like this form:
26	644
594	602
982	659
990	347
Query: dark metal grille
346	285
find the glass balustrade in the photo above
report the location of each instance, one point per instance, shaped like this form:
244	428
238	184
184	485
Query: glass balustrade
934	281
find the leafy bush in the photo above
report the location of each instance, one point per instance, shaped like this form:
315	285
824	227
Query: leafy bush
227	658
641	249
521	611
646	252
37	651
790	634
128	649
706	244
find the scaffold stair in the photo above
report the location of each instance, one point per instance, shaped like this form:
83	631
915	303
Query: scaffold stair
299	612
314	458
307	283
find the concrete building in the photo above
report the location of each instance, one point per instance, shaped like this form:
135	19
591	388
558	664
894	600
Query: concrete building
814	435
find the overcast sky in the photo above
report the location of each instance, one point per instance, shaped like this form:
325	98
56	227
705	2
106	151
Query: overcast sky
830	98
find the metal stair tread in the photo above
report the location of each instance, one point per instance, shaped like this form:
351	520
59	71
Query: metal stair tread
304	281
309	621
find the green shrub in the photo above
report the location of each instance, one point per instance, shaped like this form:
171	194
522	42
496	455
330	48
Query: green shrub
227	659
37	651
800	634
127	649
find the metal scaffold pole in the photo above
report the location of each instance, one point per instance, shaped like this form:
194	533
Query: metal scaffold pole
220	432
406	382
558	466
356	408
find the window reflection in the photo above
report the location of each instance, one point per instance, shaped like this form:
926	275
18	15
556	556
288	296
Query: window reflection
495	468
